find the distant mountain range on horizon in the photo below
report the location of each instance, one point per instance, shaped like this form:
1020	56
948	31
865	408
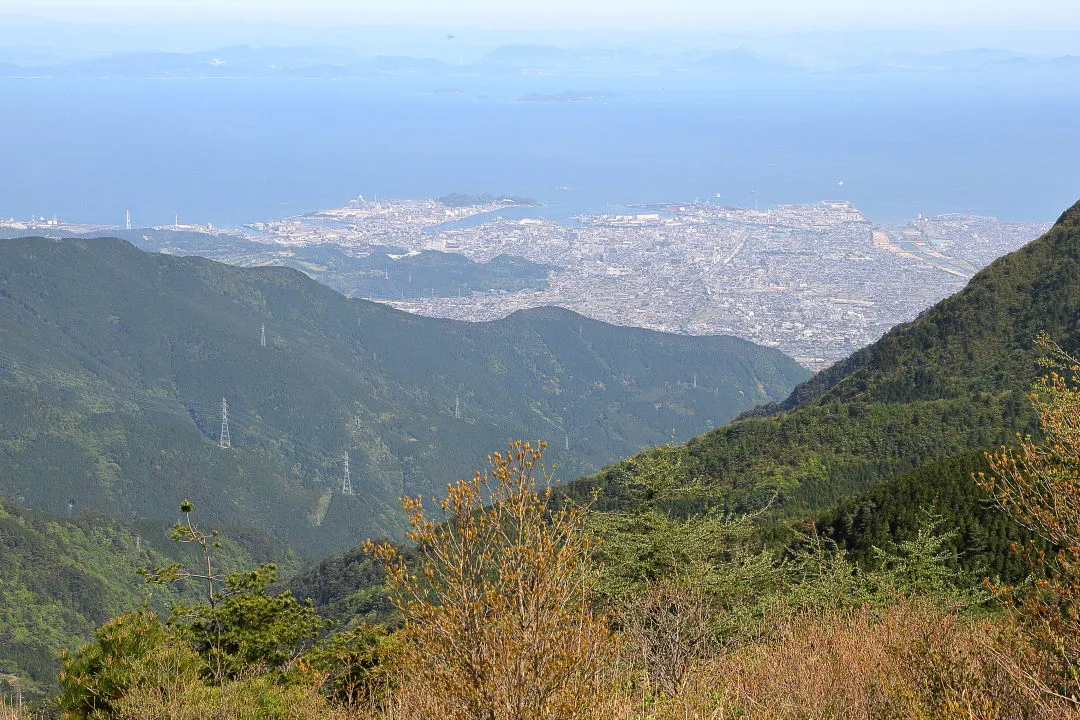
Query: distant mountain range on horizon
327	62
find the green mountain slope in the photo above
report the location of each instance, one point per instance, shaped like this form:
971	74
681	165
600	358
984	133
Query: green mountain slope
386	273
114	364
894	510
953	381
347	589
63	577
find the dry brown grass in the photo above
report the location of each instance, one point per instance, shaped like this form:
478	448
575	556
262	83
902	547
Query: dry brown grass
910	662
11	711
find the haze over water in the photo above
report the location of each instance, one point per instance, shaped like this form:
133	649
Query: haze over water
231	151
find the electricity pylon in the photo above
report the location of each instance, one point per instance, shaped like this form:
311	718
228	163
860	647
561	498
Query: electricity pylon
346	481
224	441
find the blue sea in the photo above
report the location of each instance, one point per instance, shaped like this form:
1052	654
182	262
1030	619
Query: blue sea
236	151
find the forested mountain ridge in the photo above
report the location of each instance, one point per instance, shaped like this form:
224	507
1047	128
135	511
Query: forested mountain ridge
115	362
951	382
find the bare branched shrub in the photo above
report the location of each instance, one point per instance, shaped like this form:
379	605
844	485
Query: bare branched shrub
1038	483
668	628
497	617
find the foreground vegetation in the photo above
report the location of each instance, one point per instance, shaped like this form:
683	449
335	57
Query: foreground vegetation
515	603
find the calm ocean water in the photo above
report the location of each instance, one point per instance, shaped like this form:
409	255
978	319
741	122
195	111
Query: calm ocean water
235	151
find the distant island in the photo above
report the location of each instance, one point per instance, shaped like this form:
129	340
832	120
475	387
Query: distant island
569	96
457	200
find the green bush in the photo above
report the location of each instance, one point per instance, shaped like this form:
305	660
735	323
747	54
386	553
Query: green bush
102	672
357	666
245	627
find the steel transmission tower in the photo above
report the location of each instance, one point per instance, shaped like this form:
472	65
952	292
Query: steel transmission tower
346	482
224	442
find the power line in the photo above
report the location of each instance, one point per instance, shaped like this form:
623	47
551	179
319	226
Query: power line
100	389
179	406
317	453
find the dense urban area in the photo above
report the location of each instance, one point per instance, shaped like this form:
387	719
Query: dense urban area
815	281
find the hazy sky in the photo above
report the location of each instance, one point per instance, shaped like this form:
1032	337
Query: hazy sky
781	15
